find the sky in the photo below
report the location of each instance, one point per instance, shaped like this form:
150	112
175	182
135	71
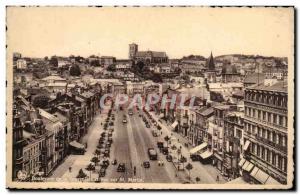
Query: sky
180	31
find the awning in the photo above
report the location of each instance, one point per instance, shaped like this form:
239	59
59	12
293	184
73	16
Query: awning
254	171
245	165
246	145
198	148
174	125
206	154
75	144
242	161
261	176
218	156
272	181
249	167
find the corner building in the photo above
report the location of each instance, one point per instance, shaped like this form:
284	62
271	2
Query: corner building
265	134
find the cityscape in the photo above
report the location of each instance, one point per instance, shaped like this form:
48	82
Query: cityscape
150	98
235	132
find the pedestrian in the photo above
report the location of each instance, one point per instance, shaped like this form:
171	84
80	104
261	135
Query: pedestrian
217	178
70	169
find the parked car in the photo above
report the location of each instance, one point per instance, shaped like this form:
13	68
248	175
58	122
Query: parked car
195	157
165	150
169	158
124	121
105	163
146	164
121	167
152	154
102	172
147	125
154	133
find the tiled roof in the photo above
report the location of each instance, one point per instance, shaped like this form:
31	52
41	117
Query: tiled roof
151	53
48	116
53	77
205	111
280	86
254	78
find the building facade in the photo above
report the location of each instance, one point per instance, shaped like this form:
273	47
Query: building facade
265	132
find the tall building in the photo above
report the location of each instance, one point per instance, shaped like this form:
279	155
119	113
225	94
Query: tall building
146	56
18	143
265	134
133	49
210	73
230	74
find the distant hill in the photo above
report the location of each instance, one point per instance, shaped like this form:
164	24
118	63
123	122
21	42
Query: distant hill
193	57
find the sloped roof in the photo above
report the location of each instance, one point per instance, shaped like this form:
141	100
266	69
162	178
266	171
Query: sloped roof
205	111
151	53
254	78
280	86
48	116
53	77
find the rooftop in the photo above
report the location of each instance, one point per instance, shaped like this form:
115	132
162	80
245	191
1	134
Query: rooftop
53	77
280	86
254	78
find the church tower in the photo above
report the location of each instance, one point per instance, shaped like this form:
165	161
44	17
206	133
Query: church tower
210	73
133	49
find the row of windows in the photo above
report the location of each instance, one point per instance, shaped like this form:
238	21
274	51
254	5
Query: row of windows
269	156
271	99
266	116
32	165
267	134
33	151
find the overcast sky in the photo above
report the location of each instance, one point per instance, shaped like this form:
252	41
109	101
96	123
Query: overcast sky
47	31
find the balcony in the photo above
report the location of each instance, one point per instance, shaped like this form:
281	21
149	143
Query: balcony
19	160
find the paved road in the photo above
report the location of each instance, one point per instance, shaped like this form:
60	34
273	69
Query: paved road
131	143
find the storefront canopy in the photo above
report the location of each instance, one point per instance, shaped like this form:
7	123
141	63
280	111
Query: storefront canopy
249	167
245	165
174	125
242	161
272	181
246	146
206	154
260	175
198	148
75	144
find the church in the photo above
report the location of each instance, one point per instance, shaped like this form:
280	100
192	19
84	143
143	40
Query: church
146	56
211	72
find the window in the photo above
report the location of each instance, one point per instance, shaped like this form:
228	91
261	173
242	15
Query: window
259	114
262	153
258	151
279	162
268	155
273	158
263	133
264	115
280	120
269	117
275	118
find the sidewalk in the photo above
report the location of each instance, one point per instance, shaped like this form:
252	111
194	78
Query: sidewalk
78	162
206	173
